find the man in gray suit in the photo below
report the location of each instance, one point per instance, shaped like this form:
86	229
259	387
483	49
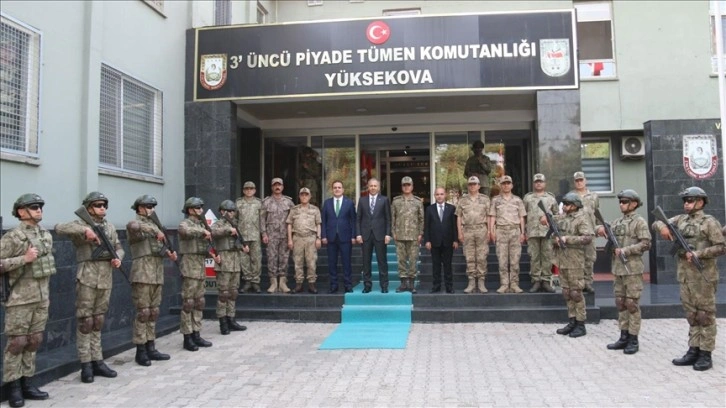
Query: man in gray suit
373	222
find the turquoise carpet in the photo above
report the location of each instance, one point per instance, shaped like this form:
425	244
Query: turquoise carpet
374	320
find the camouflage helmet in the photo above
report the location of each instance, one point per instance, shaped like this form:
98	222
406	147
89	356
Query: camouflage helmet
630	194
143	200
694	192
227	205
26	200
192	202
572	198
93	197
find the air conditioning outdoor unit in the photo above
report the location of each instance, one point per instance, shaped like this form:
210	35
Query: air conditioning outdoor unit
632	147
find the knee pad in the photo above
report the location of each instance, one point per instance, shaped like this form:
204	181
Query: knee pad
187	305
142	315
153	314
199	303
705	318
223	295
98	322
16	344
34	341
576	295
632	305
566	294
620	304
691	317
85	324
232	295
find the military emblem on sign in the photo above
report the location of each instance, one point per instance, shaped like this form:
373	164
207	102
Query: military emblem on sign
700	159
554	56
213	71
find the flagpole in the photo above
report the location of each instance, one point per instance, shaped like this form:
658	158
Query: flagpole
718	22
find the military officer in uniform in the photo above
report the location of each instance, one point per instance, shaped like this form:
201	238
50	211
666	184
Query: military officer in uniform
479	165
26	254
407	221
633	236
94	280
576	234
590	202
275	209
698	289
539	248
506	228
194	238
148	248
303	238
249	220
230	247
471	219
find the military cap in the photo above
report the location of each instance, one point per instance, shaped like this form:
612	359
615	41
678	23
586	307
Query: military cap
304	190
406	180
506	179
539	177
473	180
579	175
249	184
276	180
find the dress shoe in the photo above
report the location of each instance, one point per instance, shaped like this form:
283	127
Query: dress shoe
449	290
333	290
86	373
366	289
348	289
102	370
384	289
435	289
32	392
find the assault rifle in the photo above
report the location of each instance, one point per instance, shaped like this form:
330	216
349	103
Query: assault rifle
5	282
680	242
106	244
612	240
553	226
167	241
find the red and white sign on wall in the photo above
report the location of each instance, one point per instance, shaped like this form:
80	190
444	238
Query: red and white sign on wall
700	156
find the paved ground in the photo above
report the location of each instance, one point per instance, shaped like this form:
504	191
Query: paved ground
277	364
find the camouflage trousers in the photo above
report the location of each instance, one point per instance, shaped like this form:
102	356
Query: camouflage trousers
540	259
278	256
227	285
476	250
304	254
699	301
24	327
407	254
146	298
192	305
509	252
590	256
252	263
572	282
91	308
627	290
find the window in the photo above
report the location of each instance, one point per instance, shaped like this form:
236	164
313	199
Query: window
222	14
19	82
261	13
596	165
402	12
595	43
722	19
130	126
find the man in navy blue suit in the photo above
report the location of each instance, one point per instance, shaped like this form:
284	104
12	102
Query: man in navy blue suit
440	239
373	223
339	235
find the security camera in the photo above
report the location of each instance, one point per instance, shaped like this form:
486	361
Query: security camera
394	129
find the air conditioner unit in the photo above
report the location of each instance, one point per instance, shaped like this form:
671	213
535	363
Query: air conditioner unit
632	147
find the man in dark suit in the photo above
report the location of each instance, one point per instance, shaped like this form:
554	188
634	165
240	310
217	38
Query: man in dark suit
440	238
373	223
339	235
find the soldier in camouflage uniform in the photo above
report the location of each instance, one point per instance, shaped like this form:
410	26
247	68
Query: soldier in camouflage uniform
94	280
194	238
471	222
506	227
274	234
631	231
250	216
303	238
576	234
148	247
539	248
590	202
479	165
698	289
230	246
26	254
407	221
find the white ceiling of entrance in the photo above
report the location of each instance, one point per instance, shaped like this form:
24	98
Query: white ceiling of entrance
389	105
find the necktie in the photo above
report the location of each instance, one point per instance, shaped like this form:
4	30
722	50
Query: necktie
441	212
373	204
337	206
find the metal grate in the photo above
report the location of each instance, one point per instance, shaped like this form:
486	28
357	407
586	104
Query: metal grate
130	124
19	82
222	14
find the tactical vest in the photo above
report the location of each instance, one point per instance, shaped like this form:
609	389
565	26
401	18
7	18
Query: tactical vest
226	243
192	246
148	246
691	231
44	265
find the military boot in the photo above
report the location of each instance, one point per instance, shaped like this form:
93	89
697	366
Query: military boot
568	327
471	286
199	341
535	287
588	288
283	285
503	282
86	373
298	287
32	392
412	285
224	325
256	287
514	284
273	285
619	343
703	363
142	358
102	370
189	343
312	288
547	287
233	325
632	346
154	354
15	394
241	288
579	330
247	287
403	287
689	358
